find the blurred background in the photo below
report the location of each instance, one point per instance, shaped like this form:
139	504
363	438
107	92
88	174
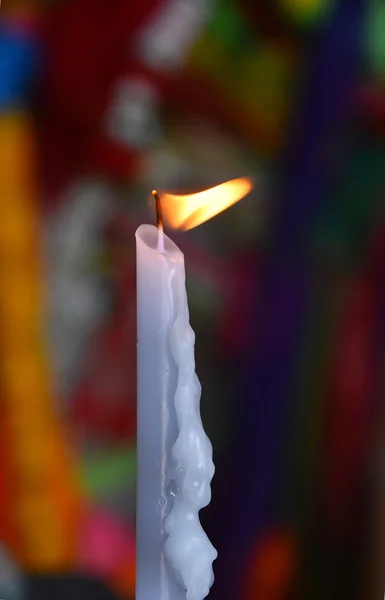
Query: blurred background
100	102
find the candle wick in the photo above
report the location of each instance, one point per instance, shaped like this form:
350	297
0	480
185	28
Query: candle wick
159	220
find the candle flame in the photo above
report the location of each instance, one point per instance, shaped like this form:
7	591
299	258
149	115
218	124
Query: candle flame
188	211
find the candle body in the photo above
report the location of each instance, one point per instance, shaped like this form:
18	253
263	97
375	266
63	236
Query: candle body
174	464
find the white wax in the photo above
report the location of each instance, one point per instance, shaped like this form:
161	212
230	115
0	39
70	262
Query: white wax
174	556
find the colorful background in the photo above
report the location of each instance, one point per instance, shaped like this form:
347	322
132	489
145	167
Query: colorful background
100	102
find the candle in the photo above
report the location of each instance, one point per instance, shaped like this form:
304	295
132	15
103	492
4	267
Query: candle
175	464
174	455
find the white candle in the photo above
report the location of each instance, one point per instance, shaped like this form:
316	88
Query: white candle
174	556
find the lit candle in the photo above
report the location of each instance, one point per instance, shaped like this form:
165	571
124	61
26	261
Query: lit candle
174	455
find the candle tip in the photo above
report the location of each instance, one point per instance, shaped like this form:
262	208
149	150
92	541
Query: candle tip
159	220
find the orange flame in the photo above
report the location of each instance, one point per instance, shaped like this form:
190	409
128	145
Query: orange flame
186	212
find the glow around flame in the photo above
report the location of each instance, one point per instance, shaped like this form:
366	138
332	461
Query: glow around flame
186	212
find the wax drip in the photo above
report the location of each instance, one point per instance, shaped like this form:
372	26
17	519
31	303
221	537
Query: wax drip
187	548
